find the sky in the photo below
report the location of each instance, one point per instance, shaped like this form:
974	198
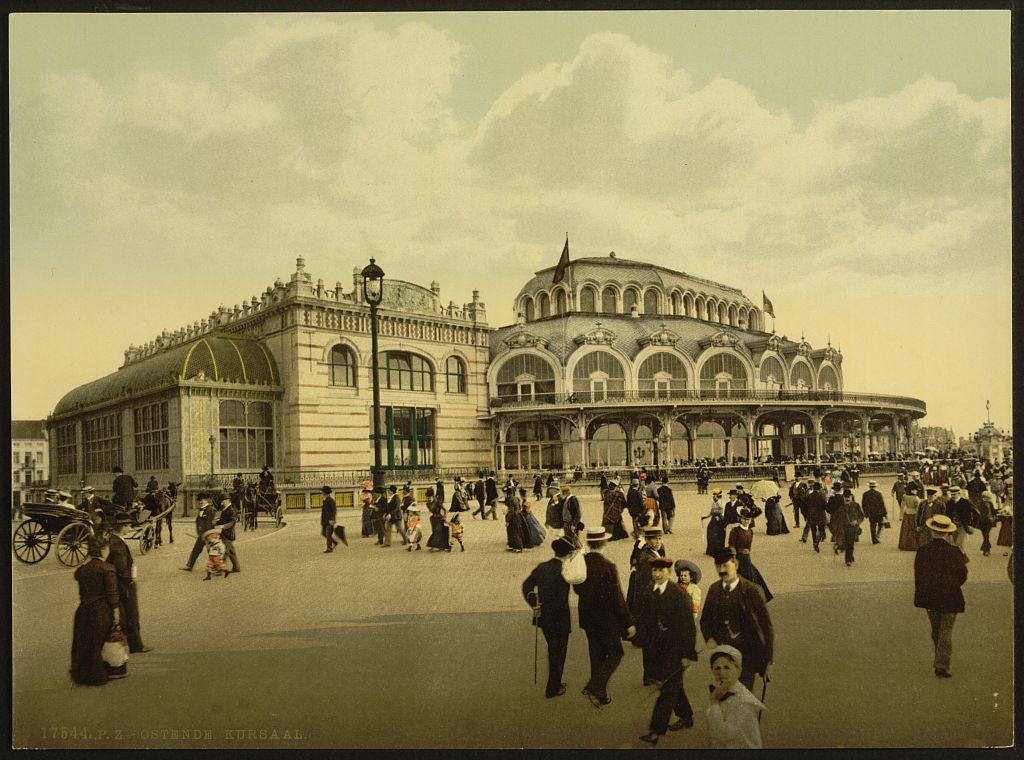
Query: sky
854	165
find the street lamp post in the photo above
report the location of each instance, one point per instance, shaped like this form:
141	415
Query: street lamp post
373	291
212	441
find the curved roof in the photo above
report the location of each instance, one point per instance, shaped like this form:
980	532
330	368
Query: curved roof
560	333
622	272
219	357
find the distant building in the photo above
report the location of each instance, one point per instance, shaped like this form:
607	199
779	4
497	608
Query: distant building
30	459
929	436
992	443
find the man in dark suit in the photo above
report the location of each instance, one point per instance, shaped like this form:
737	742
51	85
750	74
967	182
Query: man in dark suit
940	569
729	513
205	518
603	616
668	636
572	513
735	614
121	558
816	515
547	592
635	505
491	497
874	509
328	516
667	504
480	494
124	488
226	522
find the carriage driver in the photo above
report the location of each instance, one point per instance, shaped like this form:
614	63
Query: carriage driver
124	489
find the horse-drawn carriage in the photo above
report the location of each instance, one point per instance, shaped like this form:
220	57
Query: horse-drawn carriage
255	500
70	529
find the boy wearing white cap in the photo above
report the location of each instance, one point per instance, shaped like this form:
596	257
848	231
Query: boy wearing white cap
734	712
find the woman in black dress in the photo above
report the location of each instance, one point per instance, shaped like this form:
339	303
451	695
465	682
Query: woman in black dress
439	539
716	526
98	611
775	518
741	539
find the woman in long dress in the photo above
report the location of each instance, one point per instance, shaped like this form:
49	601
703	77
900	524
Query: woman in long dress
1005	518
908	528
536	531
516	527
439	540
716	526
775	519
741	538
98	610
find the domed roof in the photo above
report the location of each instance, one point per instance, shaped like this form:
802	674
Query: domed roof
218	357
622	272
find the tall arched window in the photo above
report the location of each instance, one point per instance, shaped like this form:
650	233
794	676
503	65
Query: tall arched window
455	375
528	309
651	302
661	374
723	314
404	371
677	304
629	300
343	367
598	376
526	377
688	305
608	300
733	317
723	372
588	300
801	376
543	305
771	373
827	379
561	303
700	307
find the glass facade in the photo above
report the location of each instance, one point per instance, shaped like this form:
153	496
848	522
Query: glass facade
151	436
246	435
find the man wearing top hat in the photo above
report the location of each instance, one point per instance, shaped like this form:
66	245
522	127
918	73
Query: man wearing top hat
668	636
603	616
546	591
205	518
121	558
735	613
572	513
832	507
226	523
873	504
730	514
635	504
392	515
940	570
328	517
124	488
848	519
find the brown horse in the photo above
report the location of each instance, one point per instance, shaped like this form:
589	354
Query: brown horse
158	502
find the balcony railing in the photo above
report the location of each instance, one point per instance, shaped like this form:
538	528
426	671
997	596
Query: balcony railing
742	395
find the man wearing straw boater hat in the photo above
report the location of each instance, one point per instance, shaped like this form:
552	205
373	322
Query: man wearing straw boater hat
546	591
603	616
874	509
668	636
939	572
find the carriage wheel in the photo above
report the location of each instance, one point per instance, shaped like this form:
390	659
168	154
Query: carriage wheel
31	542
72	544
279	515
147	539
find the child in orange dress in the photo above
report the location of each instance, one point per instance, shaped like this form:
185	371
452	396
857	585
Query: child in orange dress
214	554
412	528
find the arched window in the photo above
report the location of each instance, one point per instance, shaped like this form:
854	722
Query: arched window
700	308
723	372
801	377
455	375
597	376
629	300
688	305
588	300
733	317
771	373
661	374
404	371
608	301
343	367
723	314
528	309
543	305
827	379
651	302
526	377
561	304
677	305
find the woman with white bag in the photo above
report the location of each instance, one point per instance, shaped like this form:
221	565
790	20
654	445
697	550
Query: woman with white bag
97	616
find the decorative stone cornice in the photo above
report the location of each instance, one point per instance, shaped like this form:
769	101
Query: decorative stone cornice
663	337
597	336
522	338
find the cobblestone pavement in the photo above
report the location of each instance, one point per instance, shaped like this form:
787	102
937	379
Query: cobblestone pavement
372	647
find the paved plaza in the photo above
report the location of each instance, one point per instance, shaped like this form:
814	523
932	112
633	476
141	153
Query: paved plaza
371	647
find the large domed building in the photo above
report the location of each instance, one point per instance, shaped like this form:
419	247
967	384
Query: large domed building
620	363
628	363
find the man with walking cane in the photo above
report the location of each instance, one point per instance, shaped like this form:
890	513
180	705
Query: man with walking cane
547	592
668	636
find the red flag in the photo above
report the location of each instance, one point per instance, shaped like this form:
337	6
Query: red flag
768	308
563	263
